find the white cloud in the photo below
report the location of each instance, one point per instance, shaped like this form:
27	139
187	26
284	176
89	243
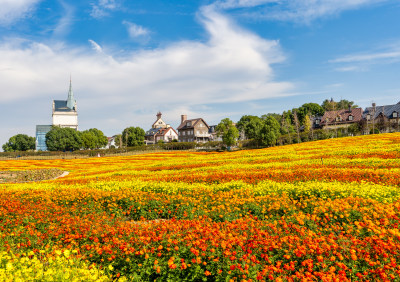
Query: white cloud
103	7
12	10
295	10
232	66
363	61
95	46
136	31
367	57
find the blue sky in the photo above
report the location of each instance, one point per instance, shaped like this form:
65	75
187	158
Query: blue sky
213	59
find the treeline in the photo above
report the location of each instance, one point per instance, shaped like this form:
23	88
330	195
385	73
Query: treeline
291	126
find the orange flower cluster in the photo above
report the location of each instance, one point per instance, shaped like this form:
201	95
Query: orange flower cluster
330	213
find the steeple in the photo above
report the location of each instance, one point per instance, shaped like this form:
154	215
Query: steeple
70	100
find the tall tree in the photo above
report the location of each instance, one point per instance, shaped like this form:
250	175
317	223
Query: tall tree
95	138
228	131
251	125
133	136
311	109
63	139
270	131
297	124
19	142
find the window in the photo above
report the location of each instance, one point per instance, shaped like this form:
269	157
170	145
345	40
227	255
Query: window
337	118
189	123
368	117
350	117
395	114
317	121
201	125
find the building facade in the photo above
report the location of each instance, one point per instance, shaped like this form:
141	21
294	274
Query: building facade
160	131
64	114
193	130
383	118
340	118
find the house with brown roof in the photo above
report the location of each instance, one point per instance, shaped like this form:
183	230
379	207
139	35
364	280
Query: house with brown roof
193	130
341	118
383	118
160	131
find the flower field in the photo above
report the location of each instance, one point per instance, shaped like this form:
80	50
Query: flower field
318	211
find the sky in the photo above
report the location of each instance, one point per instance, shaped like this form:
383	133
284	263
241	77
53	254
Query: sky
129	59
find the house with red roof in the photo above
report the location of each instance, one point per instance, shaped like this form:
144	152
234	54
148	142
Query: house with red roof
341	118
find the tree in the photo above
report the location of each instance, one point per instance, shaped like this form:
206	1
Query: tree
63	139
20	142
312	109
88	140
133	136
296	123
94	139
251	125
329	105
228	131
270	131
343	104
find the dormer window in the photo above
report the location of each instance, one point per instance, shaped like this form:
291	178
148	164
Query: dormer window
189	123
317	121
350	117
337	118
395	115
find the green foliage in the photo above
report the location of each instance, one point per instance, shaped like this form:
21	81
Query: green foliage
331	105
19	142
63	139
133	136
354	129
228	131
270	132
93	139
312	109
251	126
307	124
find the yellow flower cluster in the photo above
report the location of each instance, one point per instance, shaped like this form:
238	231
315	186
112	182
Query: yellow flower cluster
43	267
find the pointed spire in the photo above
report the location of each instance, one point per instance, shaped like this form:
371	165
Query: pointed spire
70	100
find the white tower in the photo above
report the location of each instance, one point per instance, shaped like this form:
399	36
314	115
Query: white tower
65	113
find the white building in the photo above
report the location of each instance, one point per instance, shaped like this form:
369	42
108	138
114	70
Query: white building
65	112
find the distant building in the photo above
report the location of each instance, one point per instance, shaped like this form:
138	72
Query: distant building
384	118
213	133
341	118
193	130
41	131
64	114
160	131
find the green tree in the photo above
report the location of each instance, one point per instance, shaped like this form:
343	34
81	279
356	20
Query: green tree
228	131
270	132
19	142
133	136
343	104
93	139
88	140
63	139
312	109
251	126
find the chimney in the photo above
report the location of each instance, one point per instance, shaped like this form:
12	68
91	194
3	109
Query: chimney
159	115
183	118
349	108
